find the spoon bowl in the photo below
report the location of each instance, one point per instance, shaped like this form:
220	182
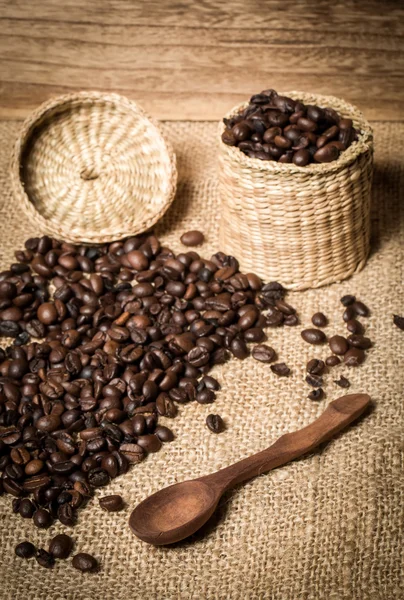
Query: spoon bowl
173	513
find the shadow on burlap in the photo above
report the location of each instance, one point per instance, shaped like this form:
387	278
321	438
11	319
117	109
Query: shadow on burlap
327	527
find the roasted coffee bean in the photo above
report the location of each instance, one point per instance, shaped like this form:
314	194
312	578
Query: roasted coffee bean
205	396
354	357
85	562
66	514
26	508
360	309
47	313
349	313
264	353
316	394
60	546
313	336
215	423
42	518
398	322
255	335
359	341
149	442
319	320
192	238
98	477
25	550
315	366
112	503
133	453
44	558
342	382
239	349
332	361
355	326
314	380
338	344
280	369
347	300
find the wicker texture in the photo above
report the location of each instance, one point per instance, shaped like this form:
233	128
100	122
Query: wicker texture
327	527
92	167
302	226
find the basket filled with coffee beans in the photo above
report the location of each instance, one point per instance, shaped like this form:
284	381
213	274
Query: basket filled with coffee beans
295	181
92	167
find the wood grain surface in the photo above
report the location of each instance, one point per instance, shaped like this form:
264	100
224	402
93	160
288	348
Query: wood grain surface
196	59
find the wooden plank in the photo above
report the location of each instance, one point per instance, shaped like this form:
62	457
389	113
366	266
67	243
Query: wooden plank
196	60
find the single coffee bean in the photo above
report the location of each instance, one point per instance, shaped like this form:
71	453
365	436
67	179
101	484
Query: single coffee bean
338	344
264	353
255	334
60	546
211	383
85	562
280	369
349	313
342	382
315	366
26	508
359	341
25	550
360	309
332	361
347	300
133	453
313	336
355	326
205	396
314	380
112	503
326	154
47	313
239	349
66	514
316	394
192	238
398	321
164	433
215	423
319	319
354	357
42	518
302	157
149	442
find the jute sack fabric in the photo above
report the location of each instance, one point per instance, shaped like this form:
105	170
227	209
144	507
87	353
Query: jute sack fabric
302	226
326	527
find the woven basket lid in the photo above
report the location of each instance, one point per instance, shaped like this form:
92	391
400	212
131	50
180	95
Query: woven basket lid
93	168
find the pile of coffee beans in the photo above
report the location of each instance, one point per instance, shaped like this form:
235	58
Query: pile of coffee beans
351	348
60	548
278	128
106	340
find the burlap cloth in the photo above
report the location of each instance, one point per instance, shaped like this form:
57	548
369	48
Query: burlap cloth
328	526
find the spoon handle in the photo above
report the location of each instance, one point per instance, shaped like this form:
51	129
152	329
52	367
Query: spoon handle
338	415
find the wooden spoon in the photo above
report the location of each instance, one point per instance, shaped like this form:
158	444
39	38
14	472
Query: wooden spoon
177	511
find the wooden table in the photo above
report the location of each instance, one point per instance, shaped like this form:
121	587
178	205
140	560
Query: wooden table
195	60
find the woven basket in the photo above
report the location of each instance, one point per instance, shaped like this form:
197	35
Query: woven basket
302	226
92	168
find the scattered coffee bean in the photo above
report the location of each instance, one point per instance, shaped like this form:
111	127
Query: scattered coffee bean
355	326
359	341
360	309
349	313
332	361
42	518
313	336
25	550
316	394
60	546
319	320
398	322
354	357
347	300
112	503
315	366
44	558
338	344
314	380
342	382
26	508
280	369
85	562
192	238
264	353
215	423
274	127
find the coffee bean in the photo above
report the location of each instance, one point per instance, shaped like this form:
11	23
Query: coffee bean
215	423
85	562
149	442
360	309
25	550
42	518
280	369
342	382
26	508
326	154
338	344
315	366
164	433
319	319
60	546
349	313
314	380
313	336
359	341
316	394
347	300
205	396
9	329
133	453
112	503
211	383
239	349
354	357
47	313
332	361
398	322
255	335
264	353
192	238
301	157
354	326
66	515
